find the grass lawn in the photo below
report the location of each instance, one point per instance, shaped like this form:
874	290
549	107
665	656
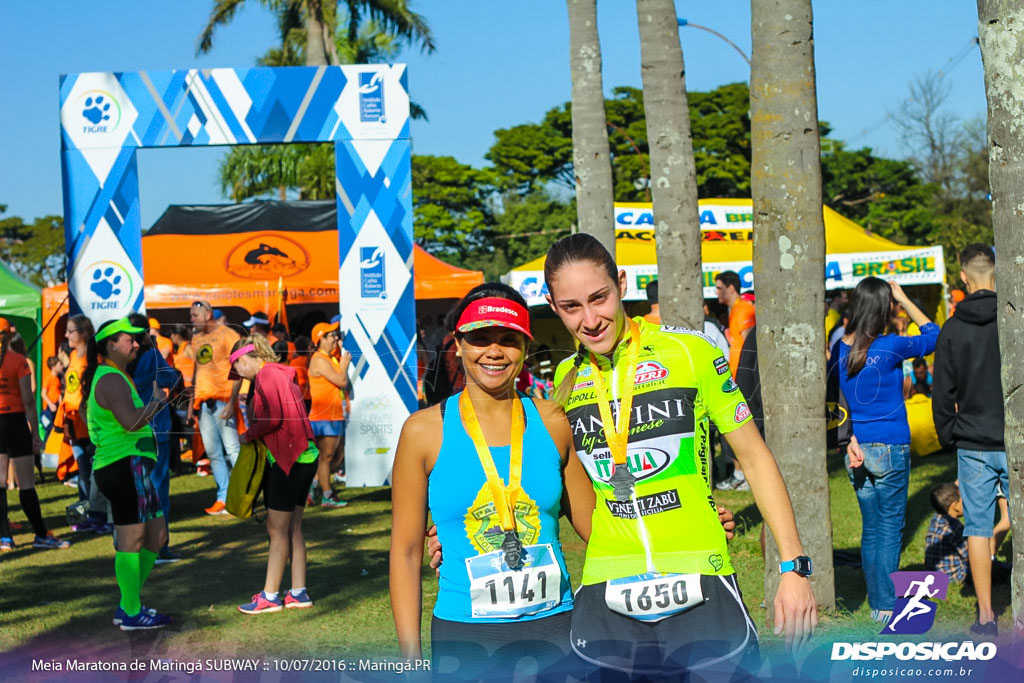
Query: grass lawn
53	602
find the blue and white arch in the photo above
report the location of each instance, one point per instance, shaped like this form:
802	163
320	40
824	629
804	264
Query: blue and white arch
362	109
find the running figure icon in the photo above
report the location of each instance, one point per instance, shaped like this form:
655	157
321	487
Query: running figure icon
915	606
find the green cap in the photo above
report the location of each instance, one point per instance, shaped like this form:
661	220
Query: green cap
113	328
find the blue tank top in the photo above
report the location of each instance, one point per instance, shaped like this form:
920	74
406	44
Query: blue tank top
467	526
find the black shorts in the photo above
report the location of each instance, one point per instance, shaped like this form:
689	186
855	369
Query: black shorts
128	487
462	651
284	492
15	438
716	638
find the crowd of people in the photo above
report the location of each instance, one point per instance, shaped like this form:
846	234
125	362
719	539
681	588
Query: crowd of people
504	453
131	403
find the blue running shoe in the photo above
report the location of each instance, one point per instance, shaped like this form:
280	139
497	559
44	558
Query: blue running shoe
50	542
299	601
260	604
143	620
120	615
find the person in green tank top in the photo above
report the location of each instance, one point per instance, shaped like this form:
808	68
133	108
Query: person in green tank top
659	594
118	424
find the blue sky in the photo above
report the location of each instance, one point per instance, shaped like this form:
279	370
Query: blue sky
497	64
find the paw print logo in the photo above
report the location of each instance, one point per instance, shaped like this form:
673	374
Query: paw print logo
96	109
105	283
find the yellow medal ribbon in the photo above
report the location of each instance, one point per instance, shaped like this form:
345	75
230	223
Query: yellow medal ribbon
505	497
617	437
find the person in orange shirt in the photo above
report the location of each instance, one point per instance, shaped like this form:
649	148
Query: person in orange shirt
181	337
328	379
164	345
741	321
79	333
215	397
51	393
741	314
19	440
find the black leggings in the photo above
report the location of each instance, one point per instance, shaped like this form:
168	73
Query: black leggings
464	651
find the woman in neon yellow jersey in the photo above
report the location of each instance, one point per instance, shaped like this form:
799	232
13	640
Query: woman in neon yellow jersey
659	593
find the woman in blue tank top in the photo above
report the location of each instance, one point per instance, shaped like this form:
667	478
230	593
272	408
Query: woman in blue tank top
488	464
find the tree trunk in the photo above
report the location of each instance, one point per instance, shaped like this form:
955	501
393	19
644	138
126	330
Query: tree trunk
592	164
789	268
673	171
1001	34
320	47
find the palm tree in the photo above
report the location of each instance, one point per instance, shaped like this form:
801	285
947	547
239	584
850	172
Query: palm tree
374	31
673	170
1002	51
591	161
316	24
789	262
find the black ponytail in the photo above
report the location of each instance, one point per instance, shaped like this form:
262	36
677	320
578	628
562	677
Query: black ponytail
92	360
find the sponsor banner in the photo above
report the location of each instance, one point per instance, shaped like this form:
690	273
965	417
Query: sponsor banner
923	266
718	222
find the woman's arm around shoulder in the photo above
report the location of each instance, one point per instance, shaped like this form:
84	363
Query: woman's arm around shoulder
578	497
418	446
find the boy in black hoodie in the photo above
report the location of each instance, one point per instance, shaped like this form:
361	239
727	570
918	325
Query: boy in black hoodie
967	404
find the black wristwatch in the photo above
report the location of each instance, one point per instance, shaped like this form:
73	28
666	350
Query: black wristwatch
801	565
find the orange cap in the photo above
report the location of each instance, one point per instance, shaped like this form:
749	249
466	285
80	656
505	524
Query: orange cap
4	325
957	295
320	329
154	323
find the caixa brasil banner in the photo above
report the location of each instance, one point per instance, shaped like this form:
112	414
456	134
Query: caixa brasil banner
726	225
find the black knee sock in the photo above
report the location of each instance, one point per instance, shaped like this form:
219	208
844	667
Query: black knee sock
5	529
30	505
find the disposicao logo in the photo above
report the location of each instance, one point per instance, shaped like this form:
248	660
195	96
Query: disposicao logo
915	611
100	111
915	614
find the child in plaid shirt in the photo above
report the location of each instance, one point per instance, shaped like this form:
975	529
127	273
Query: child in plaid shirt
945	548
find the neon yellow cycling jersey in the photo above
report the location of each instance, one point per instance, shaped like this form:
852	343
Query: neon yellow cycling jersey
671	523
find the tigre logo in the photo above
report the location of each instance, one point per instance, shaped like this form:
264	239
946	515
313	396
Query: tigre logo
205	354
484	530
73	381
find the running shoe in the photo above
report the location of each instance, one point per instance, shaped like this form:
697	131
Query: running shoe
261	604
144	620
166	556
300	601
120	615
314	495
733	484
218	508
331	501
987	630
6	544
83	527
50	542
71	483
338	477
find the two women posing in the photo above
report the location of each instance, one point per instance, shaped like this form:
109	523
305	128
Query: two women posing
495	470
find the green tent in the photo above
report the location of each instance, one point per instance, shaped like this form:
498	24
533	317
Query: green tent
21	304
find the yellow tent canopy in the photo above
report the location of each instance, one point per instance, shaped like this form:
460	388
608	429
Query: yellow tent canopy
727	244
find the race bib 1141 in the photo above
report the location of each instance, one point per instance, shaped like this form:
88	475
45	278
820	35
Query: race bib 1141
499	592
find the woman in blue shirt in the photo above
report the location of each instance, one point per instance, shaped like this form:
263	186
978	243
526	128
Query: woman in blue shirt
869	362
488	464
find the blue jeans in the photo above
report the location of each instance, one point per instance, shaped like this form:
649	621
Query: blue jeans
881	488
983	475
220	439
87	489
